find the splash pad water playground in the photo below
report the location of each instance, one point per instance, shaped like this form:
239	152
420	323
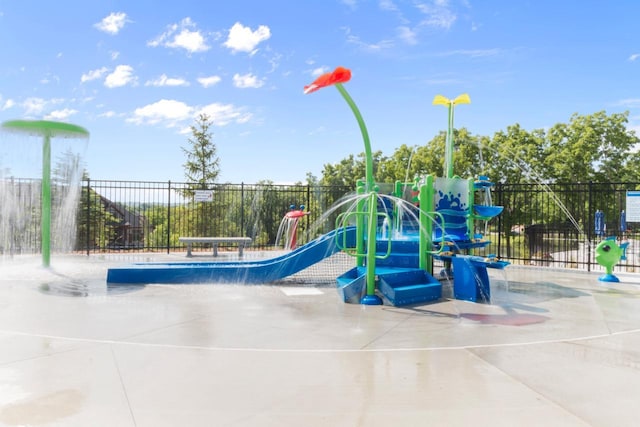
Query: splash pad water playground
77	350
393	243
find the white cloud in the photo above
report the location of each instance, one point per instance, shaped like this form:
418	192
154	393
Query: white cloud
247	81
388	5
407	35
274	60
223	114
33	106
172	113
191	41
370	47
209	81
60	114
630	102
93	74
634	57
181	36
166	111
121	76
163	80
438	14
113	23
242	39
49	78
8	104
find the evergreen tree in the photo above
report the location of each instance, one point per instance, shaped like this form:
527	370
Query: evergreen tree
203	165
201	171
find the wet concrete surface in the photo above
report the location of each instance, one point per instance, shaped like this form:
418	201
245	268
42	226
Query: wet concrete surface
554	347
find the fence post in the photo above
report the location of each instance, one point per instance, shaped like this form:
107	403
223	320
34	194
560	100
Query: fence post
168	216
589	227
88	215
242	230
499	193
308	205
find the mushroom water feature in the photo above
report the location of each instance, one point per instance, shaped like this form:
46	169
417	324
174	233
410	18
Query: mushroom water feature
47	130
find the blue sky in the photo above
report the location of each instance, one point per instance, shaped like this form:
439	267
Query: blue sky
136	74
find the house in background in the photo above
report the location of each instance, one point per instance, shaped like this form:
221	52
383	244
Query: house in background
129	227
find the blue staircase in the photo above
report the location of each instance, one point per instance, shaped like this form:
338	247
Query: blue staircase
400	281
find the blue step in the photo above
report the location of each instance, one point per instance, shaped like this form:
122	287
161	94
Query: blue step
399	286
405	287
399	260
398	246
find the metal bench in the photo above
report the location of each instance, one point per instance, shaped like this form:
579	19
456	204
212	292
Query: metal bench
240	241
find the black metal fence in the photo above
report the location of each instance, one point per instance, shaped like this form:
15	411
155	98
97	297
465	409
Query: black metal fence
542	224
124	215
557	224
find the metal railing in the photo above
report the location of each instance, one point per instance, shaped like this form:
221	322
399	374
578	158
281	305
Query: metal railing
555	224
541	224
125	215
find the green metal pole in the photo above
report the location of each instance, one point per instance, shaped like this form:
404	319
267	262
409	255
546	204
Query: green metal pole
370	298
470	218
449	142
365	136
371	250
426	223
45	224
360	224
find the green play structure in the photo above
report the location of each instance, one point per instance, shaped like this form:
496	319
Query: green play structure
401	228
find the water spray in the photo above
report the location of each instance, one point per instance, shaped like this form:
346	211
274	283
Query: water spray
47	130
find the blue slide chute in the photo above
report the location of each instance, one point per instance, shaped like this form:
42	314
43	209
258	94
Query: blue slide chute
262	271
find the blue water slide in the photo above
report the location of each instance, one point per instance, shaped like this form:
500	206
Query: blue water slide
261	271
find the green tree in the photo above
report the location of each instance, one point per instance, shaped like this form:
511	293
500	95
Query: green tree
429	159
349	170
398	167
467	155
203	165
202	168
595	147
515	156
